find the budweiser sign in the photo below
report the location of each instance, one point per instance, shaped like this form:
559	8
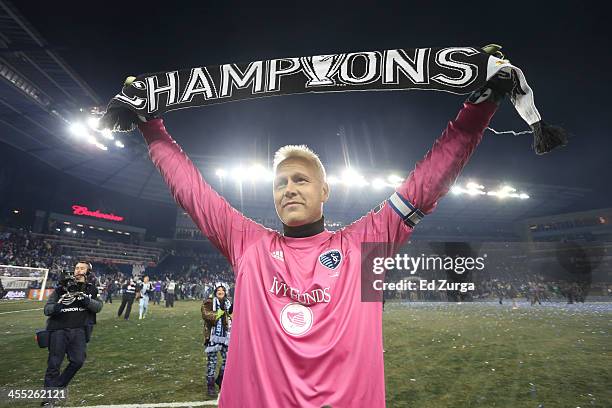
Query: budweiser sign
80	210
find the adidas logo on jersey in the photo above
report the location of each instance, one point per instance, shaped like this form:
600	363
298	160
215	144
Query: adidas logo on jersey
278	255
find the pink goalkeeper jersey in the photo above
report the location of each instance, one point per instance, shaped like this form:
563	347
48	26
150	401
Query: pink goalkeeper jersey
301	337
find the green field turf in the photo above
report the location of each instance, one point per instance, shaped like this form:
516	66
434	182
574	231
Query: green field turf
439	355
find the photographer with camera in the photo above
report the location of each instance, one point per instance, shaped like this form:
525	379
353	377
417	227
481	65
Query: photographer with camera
72	309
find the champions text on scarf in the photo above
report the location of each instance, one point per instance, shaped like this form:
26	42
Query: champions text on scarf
455	69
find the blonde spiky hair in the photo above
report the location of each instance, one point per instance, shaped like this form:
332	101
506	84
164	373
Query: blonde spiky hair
301	151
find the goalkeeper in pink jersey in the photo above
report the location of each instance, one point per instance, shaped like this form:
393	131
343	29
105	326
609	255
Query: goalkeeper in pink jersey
301	336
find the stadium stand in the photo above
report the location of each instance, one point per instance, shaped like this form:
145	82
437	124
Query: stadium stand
105	251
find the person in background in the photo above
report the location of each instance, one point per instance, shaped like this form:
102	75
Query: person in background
71	311
129	294
110	289
157	287
170	288
146	289
217	314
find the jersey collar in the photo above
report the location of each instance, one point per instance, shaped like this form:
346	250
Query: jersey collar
303	231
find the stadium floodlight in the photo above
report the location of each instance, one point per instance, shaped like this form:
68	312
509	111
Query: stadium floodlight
395	180
351	177
92	140
119	144
93	122
82	130
78	130
257	172
456	190
238	174
474	189
378	183
504	192
107	134
474	186
332	180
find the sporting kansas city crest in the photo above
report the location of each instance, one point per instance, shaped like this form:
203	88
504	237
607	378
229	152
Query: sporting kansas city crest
331	259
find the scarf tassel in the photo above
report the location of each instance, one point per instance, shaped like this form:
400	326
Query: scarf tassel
547	137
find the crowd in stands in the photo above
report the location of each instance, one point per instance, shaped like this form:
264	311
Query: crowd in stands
193	278
195	272
21	248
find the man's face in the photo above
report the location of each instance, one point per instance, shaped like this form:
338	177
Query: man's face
299	192
80	270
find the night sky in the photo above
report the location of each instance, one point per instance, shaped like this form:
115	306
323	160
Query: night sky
562	49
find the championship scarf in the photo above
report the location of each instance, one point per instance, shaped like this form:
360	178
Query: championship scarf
458	70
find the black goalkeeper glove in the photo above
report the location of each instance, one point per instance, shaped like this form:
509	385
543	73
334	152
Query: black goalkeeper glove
119	118
545	137
502	84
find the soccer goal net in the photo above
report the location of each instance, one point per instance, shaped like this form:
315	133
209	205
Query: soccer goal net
22	282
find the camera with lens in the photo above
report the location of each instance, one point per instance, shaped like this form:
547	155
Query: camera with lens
68	283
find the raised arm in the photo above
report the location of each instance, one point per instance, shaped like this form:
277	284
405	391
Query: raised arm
229	230
434	175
